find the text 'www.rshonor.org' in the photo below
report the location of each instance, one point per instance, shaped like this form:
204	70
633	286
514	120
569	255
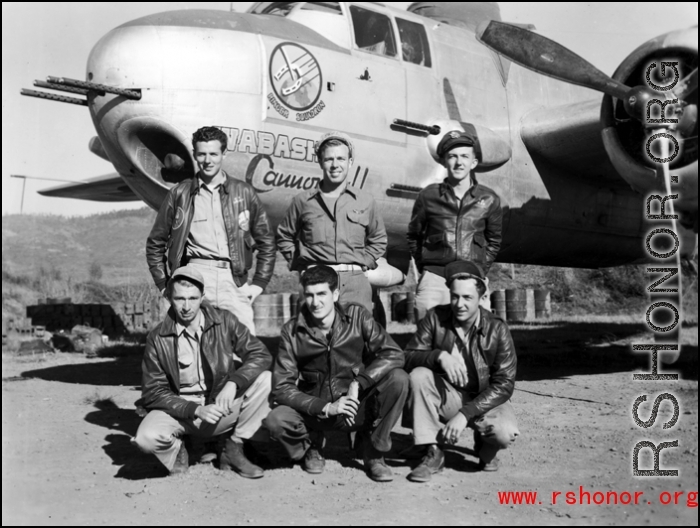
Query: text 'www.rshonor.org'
583	497
662	298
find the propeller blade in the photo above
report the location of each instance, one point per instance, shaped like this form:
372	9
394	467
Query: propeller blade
545	56
687	85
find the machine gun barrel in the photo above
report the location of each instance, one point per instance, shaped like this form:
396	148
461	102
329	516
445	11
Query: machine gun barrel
90	86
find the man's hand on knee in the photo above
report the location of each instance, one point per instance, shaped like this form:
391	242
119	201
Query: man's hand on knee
226	397
453	429
347	406
211	413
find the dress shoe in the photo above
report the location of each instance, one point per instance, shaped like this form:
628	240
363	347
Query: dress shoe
182	461
375	466
232	457
433	462
314	462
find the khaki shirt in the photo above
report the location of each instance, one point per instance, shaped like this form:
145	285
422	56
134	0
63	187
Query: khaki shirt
312	234
189	358
207	237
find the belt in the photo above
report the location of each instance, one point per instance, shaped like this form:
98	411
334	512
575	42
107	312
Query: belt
210	263
339	267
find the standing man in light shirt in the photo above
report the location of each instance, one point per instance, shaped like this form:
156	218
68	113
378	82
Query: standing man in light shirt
335	224
214	222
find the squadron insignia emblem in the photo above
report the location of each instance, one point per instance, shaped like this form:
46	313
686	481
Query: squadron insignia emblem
295	76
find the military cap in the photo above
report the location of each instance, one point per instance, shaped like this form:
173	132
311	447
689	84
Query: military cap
343	138
188	272
459	138
463	269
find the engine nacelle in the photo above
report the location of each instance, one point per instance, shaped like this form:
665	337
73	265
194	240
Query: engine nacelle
625	138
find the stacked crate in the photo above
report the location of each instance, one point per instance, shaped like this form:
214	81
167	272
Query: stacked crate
113	319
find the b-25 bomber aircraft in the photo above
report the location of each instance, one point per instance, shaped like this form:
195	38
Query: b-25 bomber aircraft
568	163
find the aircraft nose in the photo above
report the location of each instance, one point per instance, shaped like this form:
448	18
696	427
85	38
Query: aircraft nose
192	70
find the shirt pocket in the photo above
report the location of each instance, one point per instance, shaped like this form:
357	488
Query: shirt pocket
313	228
357	227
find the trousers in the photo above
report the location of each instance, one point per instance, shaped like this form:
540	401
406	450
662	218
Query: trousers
379	411
434	401
432	291
160	434
223	293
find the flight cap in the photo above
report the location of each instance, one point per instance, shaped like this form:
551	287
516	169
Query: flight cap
459	138
463	269
340	136
188	272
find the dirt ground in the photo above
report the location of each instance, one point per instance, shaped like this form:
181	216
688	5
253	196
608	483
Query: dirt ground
67	459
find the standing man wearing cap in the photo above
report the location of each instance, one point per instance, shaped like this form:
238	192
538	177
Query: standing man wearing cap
462	368
335	224
457	219
194	382
214	222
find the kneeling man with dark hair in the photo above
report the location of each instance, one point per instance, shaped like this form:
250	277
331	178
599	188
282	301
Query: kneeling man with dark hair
194	382
462	366
336	368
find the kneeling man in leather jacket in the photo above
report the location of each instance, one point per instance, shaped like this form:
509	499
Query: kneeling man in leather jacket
462	367
336	368
204	374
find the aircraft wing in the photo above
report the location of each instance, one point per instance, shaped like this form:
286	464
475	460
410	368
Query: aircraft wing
569	136
105	188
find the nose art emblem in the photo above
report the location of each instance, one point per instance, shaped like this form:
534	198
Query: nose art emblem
295	76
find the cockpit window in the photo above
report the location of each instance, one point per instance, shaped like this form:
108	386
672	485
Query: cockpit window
284	8
414	42
373	32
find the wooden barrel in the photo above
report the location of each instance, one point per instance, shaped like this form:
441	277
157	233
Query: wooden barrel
529	304
543	304
294	304
498	303
516	305
398	307
270	312
410	307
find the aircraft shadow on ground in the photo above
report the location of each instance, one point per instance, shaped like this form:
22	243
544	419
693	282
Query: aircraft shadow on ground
552	351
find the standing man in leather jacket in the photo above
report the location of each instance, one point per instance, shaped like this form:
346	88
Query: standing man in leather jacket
462	367
457	219
336	368
335	224
193	382
214	222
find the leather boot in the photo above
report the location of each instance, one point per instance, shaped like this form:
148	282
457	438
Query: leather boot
232	457
314	462
375	466
182	461
433	462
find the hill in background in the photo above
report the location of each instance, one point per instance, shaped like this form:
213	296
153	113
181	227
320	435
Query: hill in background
102	258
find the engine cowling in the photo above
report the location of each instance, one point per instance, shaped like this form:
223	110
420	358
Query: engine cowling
625	138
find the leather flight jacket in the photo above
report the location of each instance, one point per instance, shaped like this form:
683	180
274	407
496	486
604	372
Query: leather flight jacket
444	229
222	340
490	346
311	370
247	229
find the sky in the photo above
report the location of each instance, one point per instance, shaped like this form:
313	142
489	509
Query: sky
46	139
